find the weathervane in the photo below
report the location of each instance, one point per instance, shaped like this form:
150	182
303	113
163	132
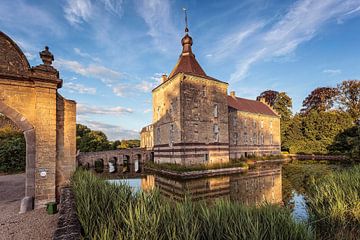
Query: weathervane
186	22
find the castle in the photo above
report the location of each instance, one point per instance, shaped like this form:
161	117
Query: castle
196	121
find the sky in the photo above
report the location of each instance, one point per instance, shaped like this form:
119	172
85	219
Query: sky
111	53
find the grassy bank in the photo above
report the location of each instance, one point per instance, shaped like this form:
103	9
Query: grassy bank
109	211
241	162
334	204
196	167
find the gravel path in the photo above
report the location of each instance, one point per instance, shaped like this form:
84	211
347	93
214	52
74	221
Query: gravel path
36	224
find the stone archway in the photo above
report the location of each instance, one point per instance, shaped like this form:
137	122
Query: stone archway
29	97
29	133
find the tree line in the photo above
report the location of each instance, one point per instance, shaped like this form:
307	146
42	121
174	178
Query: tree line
328	122
88	140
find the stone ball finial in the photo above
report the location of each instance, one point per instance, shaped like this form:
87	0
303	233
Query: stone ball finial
46	56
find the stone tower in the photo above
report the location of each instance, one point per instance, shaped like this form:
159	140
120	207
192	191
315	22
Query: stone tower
190	114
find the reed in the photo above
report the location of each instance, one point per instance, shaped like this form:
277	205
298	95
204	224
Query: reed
334	204
109	211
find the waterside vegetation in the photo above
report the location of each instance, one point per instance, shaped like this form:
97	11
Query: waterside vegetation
109	211
334	204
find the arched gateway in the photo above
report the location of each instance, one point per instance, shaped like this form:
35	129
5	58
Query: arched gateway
29	97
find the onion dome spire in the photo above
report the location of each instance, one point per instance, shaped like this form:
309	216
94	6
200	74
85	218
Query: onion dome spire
187	62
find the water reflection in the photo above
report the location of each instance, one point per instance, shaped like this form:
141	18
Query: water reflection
263	184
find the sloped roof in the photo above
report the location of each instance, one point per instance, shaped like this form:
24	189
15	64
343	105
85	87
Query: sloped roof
187	64
252	106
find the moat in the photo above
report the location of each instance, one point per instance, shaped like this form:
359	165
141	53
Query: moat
276	184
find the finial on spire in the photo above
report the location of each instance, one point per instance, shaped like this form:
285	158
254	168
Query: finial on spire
186	21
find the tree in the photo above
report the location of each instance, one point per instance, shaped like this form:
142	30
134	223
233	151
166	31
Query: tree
347	142
320	99
132	143
316	131
88	140
12	147
282	104
349	97
270	96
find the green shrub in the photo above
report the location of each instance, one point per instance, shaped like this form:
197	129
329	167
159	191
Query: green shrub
109	211
12	152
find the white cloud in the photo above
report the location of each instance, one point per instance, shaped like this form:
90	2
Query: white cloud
87	110
231	42
114	6
113	132
301	23
332	71
79	88
145	86
77	11
157	15
120	90
105	74
147	110
86	55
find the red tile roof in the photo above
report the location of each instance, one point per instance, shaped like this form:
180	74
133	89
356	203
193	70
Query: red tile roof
187	64
252	106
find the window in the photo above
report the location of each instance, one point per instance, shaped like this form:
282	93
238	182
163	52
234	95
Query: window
245	138
262	124
271	124
216	133
254	139
235	138
245	123
171	135
271	139
216	110
262	139
158	135
158	113
206	157
234	121
203	91
254	123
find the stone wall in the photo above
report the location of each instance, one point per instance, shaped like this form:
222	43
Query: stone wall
184	120
147	137
29	97
69	227
255	134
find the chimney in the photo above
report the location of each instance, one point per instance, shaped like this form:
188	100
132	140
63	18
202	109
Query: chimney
163	78
232	94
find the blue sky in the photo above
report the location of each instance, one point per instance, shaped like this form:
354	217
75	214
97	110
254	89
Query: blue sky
111	53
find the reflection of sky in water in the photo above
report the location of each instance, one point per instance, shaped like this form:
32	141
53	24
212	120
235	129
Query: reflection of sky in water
300	211
134	183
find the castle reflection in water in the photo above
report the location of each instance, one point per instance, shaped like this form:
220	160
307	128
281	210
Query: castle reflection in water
262	184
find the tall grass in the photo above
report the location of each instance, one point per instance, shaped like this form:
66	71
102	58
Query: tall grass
109	211
334	204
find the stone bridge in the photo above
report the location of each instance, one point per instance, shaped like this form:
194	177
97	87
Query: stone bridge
123	157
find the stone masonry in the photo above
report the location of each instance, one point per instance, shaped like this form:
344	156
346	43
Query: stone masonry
29	97
195	121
